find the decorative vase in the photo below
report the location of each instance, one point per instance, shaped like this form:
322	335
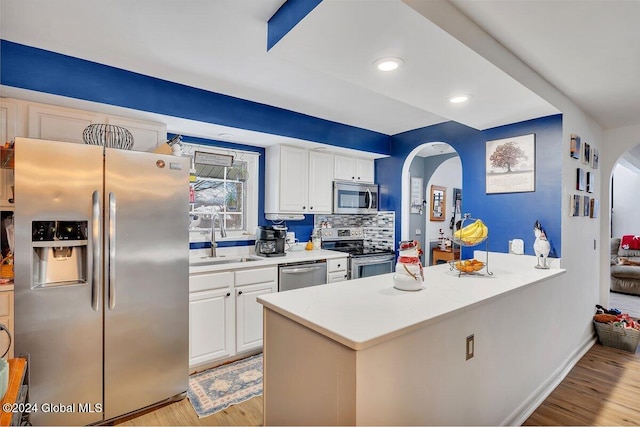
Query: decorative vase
409	275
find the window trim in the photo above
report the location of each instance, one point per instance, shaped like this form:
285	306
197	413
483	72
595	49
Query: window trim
252	188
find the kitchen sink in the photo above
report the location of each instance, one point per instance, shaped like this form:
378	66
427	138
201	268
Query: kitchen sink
219	260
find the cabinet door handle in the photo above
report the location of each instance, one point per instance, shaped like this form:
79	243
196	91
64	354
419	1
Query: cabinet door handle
310	207
228	294
239	292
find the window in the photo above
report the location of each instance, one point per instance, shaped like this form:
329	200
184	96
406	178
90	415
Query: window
225	194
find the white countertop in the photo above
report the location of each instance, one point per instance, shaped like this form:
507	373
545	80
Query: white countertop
289	257
364	312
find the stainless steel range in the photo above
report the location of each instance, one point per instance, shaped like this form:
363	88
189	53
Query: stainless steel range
363	262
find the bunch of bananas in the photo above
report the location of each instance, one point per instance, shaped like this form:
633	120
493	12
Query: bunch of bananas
473	233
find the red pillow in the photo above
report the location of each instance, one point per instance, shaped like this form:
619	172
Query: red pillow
630	242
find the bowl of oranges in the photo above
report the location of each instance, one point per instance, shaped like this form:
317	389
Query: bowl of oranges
468	265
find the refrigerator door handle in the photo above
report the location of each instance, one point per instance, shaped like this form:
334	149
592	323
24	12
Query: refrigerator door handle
111	250
96	235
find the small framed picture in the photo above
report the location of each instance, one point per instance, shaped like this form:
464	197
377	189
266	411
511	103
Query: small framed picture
580	180
594	158
586	206
575	205
575	146
595	207
591	182
586	153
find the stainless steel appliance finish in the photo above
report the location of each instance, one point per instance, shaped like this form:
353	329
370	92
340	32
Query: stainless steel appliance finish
302	275
366	266
354	198
115	340
363	262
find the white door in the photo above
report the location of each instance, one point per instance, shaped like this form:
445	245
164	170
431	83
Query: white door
320	182
294	180
249	315
211	325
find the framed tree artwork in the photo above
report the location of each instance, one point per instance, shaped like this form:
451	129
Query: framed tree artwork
511	165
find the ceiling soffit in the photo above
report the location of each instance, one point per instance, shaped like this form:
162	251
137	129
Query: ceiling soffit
343	39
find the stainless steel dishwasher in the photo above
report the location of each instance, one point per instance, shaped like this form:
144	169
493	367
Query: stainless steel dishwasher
302	275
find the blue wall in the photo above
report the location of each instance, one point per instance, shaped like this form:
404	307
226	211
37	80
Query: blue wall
508	216
44	71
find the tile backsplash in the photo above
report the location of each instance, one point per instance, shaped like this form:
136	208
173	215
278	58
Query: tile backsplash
379	229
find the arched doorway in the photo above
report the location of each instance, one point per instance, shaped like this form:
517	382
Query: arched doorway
430	164
624	221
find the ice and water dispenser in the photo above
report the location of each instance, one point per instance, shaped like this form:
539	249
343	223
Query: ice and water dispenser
59	253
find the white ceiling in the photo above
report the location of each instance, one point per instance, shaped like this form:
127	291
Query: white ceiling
589	50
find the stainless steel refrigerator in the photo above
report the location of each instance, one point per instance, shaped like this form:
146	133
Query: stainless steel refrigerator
101	279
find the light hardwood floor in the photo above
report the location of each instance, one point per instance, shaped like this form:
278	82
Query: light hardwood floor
602	389
181	413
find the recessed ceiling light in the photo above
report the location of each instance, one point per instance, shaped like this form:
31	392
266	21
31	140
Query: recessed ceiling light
460	98
225	135
388	63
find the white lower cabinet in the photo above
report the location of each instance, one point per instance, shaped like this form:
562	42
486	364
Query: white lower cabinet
337	270
211	321
249	315
224	317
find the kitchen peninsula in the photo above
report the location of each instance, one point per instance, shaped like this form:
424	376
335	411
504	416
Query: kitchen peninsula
364	353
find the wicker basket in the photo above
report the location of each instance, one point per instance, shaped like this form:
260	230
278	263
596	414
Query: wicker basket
618	337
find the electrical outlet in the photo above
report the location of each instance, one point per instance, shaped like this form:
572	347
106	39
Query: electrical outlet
470	346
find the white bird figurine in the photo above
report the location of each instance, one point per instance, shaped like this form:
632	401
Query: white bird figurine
541	246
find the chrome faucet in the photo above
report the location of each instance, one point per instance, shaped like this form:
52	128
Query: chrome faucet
212	236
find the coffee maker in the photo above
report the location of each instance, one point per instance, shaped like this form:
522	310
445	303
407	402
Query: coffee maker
270	240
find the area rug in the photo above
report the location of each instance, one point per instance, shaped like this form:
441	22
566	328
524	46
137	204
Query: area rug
218	388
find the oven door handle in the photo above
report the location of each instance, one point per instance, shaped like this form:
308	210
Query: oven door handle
373	260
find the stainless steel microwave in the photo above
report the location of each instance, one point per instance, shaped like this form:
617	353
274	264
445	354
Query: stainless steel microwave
354	198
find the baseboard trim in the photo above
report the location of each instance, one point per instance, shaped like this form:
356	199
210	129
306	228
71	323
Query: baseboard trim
524	411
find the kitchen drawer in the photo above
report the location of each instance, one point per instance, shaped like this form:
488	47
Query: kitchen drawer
5	303
335	265
204	282
337	277
256	275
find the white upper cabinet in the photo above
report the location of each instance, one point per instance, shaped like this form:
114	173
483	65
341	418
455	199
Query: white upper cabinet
66	124
294	180
348	168
146	135
320	179
60	124
298	181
